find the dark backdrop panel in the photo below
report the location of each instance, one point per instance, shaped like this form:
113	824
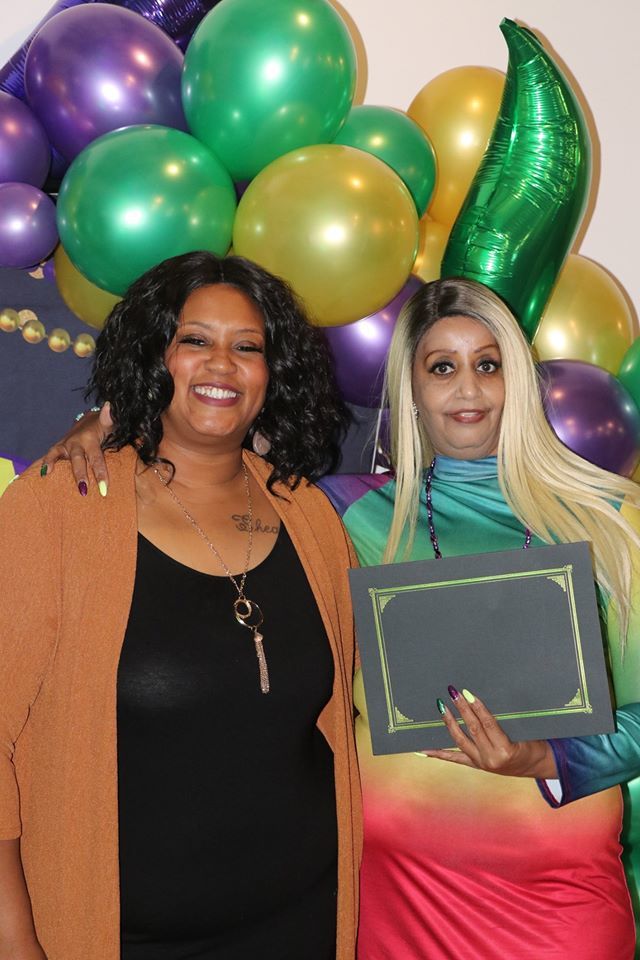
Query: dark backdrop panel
40	391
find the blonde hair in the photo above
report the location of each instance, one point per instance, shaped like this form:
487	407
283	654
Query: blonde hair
555	493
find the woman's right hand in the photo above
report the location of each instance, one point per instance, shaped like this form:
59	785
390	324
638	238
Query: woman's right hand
82	447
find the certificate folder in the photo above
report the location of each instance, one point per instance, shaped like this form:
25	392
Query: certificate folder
519	628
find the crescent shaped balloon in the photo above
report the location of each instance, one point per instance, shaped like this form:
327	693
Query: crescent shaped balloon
527	199
178	18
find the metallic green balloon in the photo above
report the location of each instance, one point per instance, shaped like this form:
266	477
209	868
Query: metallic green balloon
139	195
264	77
527	199
394	137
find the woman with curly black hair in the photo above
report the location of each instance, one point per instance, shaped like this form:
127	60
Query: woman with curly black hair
302	417
177	768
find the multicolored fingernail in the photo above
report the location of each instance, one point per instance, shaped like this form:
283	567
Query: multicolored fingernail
453	693
469	697
102	487
43	470
82	488
441	707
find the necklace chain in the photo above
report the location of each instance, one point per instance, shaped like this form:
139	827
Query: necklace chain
196	526
433	536
247	613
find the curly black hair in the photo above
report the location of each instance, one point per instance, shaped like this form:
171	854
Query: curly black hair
303	416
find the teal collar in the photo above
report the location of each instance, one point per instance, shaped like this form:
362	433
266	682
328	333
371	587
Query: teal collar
465	471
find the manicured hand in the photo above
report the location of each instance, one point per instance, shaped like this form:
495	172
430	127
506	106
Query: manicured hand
81	445
483	744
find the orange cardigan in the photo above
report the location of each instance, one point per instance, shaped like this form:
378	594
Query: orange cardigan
67	568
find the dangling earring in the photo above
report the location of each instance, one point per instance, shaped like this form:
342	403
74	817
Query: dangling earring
415	410
261	444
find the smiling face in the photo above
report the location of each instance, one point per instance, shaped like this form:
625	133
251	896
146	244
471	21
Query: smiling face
220	374
458	388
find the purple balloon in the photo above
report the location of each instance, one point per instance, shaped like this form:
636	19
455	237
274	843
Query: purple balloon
94	68
360	349
28	231
178	19
24	149
592	414
12	74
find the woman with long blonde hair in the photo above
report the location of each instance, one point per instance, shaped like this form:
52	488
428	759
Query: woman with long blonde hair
459	861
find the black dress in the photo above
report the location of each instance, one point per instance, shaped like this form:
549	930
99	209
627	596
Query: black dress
227	815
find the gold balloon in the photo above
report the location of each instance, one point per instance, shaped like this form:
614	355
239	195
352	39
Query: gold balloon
84	345
33	331
335	222
59	340
587	317
89	302
9	320
7	474
433	240
457	110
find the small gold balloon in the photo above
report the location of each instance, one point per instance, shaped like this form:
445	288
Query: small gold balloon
84	345
25	316
457	111
33	331
433	240
587	317
85	299
9	320
59	340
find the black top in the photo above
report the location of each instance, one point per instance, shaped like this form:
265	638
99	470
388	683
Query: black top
228	834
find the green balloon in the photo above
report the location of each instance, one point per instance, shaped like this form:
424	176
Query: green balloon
527	199
139	195
629	372
264	78
396	139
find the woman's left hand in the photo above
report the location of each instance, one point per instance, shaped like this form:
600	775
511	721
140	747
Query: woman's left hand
483	744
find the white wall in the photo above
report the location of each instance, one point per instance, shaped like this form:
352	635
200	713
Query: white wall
408	42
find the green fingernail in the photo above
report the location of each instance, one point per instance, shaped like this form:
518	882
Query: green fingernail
43	470
469	697
441	706
102	487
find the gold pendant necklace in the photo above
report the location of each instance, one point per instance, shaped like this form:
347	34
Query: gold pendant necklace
247	613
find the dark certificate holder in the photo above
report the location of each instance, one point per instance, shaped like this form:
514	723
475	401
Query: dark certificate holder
519	628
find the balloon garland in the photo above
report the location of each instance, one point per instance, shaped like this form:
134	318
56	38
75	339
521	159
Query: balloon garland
338	219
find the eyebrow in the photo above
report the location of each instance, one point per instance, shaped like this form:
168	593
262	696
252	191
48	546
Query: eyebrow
205	326
488	346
